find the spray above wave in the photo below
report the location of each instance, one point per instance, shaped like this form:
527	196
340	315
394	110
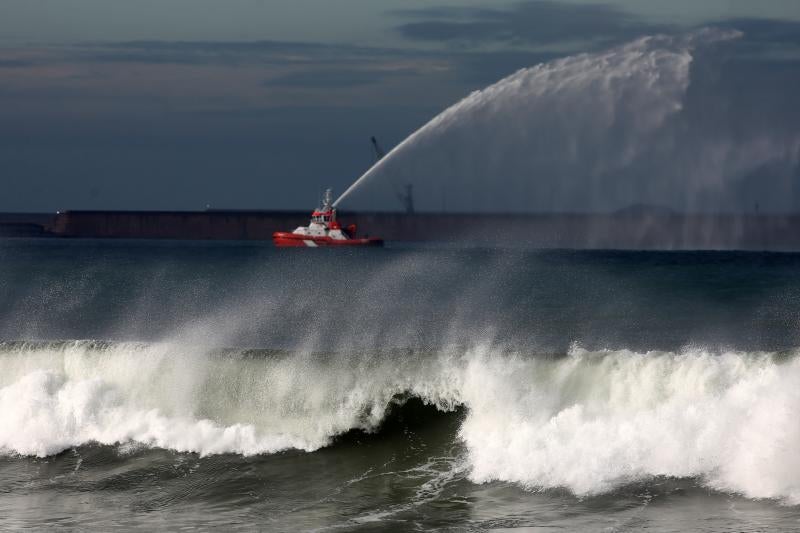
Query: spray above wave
591	132
589	421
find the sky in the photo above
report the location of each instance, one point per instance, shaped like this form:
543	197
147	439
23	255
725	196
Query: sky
257	104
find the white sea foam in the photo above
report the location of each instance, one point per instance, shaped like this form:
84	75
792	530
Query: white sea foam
594	421
58	396
589	422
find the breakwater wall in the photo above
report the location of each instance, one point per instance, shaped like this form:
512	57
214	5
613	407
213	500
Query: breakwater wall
619	230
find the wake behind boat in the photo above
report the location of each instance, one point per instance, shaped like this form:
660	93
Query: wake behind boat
323	230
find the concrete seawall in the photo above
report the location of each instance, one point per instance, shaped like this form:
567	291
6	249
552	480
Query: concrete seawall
623	231
204	225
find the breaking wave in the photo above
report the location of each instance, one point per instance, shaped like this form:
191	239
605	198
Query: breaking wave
586	421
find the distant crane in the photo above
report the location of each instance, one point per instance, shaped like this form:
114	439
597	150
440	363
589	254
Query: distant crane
406	195
379	153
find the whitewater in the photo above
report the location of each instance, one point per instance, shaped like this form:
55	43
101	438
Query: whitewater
587	421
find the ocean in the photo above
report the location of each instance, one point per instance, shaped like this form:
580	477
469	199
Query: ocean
234	386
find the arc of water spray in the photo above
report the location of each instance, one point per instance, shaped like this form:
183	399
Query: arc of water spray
378	164
680	43
438	119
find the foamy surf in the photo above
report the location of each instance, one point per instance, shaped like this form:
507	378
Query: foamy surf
595	421
590	422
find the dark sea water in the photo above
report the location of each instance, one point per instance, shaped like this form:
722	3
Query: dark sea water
161	385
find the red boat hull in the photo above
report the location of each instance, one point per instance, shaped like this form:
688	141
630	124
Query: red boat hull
285	240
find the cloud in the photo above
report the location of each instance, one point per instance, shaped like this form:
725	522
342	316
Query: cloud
480	68
765	30
231	52
206	75
327	78
540	22
16	63
766	40
317	66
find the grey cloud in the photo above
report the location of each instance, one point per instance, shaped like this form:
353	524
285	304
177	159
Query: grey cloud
766	40
479	69
327	78
16	63
230	52
541	22
300	64
766	30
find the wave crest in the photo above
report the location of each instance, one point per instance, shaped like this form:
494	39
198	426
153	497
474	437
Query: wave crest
595	421
588	421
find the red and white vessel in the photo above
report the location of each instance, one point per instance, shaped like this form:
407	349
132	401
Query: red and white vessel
324	230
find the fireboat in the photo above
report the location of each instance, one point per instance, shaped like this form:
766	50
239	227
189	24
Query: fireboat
324	230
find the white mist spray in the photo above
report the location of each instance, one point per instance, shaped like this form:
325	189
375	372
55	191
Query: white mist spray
591	132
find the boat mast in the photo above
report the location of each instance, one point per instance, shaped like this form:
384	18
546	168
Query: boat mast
327	200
